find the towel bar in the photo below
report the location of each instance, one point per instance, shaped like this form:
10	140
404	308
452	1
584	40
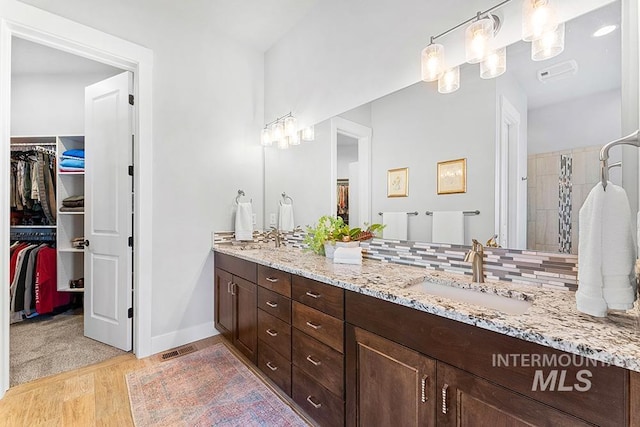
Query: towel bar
408	213
476	212
631	139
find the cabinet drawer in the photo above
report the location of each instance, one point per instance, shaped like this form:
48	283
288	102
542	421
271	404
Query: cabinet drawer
321	326
274	304
326	298
275	333
276	280
325	408
275	366
236	266
320	361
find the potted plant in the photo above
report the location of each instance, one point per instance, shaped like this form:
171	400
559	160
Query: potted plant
331	231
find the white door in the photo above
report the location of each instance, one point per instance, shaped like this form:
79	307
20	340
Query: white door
107	224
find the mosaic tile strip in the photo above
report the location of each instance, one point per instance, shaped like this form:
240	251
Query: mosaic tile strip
539	269
564	204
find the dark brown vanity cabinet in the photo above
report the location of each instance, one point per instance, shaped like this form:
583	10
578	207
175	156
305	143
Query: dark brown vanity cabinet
235	297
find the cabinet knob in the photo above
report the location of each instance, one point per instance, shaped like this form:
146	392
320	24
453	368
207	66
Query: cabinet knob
313	325
272	332
314	404
444	399
313	361
270	366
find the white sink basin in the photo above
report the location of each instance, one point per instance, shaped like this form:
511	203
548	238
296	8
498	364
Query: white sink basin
470	296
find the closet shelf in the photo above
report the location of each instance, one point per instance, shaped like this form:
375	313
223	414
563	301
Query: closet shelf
74	250
70	173
70	213
33	226
70	289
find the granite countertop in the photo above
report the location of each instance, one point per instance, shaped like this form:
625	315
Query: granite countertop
552	320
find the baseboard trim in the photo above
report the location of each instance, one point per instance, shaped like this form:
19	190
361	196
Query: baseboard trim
181	337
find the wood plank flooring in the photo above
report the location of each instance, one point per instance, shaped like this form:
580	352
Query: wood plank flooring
92	396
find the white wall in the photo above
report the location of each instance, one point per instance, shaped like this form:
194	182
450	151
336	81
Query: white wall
346	154
416	128
207	115
581	122
50	104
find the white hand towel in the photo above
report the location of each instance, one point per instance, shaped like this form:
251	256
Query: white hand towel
347	256
606	252
395	225
244	221
285	218
448	227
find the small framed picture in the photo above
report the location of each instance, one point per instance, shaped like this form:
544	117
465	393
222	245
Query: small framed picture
398	182
452	176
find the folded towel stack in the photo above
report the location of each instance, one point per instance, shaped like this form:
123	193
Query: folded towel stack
73	204
348	255
72	161
606	253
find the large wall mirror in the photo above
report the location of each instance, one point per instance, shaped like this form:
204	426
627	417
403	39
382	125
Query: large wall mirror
530	137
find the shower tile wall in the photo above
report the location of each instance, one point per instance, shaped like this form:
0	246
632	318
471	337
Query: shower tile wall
543	230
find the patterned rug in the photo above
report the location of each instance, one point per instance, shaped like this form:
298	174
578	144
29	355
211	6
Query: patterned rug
210	387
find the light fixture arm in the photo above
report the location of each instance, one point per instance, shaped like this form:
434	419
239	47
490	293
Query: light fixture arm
478	16
278	119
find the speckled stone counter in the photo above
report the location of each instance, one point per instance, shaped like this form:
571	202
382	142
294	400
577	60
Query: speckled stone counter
551	321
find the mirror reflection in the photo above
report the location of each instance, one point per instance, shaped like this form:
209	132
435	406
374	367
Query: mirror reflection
530	137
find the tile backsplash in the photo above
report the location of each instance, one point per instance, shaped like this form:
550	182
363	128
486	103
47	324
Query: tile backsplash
541	269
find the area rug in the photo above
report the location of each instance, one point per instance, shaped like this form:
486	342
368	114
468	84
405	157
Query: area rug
210	387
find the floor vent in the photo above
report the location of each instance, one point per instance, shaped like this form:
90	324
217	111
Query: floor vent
178	352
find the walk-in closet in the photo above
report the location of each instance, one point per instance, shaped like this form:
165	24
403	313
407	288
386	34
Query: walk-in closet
48	186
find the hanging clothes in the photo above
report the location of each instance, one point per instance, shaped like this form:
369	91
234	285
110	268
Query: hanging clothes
33	195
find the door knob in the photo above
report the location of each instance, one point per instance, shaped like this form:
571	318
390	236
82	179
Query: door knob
86	243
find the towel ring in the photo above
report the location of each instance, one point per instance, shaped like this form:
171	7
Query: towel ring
631	139
284	199
240	194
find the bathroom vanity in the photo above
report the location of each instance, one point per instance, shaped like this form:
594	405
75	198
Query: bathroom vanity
363	345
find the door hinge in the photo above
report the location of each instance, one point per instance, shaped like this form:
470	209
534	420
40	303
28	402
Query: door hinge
130	170
131	99
130	240
130	313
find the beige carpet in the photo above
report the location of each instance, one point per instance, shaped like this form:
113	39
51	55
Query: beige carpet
49	345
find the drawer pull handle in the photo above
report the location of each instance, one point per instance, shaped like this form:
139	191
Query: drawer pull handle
423	388
272	279
444	399
272	332
272	304
229	287
233	289
270	366
313	362
314	404
313	325
313	294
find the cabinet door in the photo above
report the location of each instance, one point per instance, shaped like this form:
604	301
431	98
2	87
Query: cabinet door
468	400
245	336
223	303
388	384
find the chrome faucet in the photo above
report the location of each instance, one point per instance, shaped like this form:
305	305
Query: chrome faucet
476	257
277	236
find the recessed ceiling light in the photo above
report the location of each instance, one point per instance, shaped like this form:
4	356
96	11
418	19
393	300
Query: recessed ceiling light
603	31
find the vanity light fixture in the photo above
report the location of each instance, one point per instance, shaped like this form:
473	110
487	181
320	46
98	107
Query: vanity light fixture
432	61
284	132
538	18
449	81
550	44
494	64
478	39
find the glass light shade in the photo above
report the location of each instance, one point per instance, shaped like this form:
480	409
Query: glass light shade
494	64
432	62
283	143
449	81
277	131
294	139
478	39
548	45
538	17
308	133
265	137
290	126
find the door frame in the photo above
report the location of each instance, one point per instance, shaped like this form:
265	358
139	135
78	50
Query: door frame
363	135
21	20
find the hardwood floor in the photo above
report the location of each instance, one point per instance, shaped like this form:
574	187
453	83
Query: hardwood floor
92	396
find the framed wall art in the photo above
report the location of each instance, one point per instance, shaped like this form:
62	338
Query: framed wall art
398	182
452	176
